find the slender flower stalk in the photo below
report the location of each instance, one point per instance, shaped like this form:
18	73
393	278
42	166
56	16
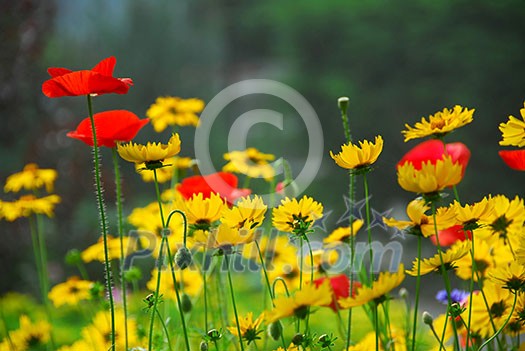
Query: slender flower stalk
489	340
165	328
418	286
102	215
233	301
120	229
368	229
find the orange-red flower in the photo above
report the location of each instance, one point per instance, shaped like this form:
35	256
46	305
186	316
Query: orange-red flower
111	126
515	159
433	150
98	80
450	235
225	184
340	285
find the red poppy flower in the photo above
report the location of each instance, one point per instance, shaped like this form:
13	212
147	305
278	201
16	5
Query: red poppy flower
99	80
450	235
340	286
111	127
433	150
225	184
515	159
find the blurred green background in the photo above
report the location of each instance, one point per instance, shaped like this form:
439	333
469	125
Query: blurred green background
397	61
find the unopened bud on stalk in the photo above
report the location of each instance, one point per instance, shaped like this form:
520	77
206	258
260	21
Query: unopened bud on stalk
203	346
342	102
275	330
427	318
186	304
73	257
183	258
214	334
403	293
298	339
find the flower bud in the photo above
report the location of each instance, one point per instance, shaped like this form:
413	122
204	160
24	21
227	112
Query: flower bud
73	257
214	334
133	274
186	304
427	318
342	102
403	293
183	258
203	346
275	330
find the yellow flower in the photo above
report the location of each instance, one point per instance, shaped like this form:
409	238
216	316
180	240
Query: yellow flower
474	216
431	177
433	264
95	252
511	276
299	303
486	258
440	123
343	234
353	156
297	217
249	327
247	213
499	302
30	336
152	154
28	205
71	292
250	162
224	237
506	221
420	223
31	178
190	280
369	342
174	111
98	333
513	131
385	283
201	212
165	174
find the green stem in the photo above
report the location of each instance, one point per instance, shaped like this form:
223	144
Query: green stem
38	261
376	325
82	270
280	280
368	229
102	215
156	295
489	340
263	266
418	286
165	329
351	193
7	336
205	293
311	276
120	229
445	278
441	346
233	301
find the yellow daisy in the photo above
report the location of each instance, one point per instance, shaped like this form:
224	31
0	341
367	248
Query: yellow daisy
165	173
431	177
250	329
31	178
511	276
421	223
486	257
297	217
506	221
299	303
27	205
353	156
247	213
513	131
224	237
250	162
71	292
95	252
377	293
174	111
29	336
440	123
433	264
151	154
343	234
202	213
98	333
475	215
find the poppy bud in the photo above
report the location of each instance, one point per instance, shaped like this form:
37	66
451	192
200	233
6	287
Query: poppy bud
275	330
133	274
403	293
186	304
183	258
73	257
203	346
342	102
214	334
298	339
427	318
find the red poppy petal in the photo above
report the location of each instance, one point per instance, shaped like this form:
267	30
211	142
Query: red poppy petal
58	71
106	66
223	183
83	83
450	235
112	126
515	159
430	150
